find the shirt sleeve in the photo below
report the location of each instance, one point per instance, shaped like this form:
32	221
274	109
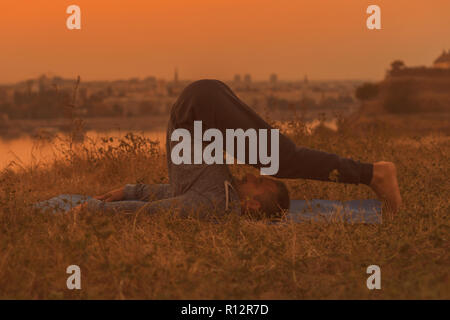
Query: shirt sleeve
131	206
147	192
182	206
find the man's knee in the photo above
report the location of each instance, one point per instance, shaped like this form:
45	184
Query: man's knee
204	88
198	100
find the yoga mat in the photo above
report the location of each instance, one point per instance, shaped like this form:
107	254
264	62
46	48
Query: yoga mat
354	211
61	203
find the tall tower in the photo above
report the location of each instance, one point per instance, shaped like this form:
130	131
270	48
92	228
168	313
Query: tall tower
247	78
175	76
273	78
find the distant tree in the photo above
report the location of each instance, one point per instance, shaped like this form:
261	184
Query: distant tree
117	110
396	66
109	91
367	91
401	97
307	102
345	99
328	102
147	108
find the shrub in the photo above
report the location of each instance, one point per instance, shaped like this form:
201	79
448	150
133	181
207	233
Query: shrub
367	91
401	96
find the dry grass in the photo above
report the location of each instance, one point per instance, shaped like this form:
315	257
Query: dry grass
159	257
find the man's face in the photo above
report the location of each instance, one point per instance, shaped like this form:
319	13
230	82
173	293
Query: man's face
251	186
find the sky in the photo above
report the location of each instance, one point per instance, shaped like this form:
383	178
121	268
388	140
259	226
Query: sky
325	39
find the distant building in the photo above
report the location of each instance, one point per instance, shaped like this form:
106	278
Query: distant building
443	61
237	78
43	83
161	88
175	76
248	78
273	78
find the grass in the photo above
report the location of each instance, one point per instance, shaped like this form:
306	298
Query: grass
163	257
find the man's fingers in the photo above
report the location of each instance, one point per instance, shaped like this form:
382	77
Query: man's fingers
111	196
103	197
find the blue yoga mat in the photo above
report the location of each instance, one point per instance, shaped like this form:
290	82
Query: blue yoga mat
62	203
354	211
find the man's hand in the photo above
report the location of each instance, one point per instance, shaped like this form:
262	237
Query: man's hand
78	208
114	195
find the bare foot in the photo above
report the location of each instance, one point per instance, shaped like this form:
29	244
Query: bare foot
384	183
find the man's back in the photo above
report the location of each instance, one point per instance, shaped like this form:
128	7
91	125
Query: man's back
204	180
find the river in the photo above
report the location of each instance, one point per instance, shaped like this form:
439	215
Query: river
26	150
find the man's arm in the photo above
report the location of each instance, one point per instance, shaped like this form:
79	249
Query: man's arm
142	192
181	206
147	192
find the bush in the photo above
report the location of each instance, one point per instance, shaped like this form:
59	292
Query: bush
401	97
367	91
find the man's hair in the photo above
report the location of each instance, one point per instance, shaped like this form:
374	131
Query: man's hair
273	204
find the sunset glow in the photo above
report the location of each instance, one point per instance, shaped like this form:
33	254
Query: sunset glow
325	39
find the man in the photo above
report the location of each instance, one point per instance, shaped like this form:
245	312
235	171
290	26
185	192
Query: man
211	189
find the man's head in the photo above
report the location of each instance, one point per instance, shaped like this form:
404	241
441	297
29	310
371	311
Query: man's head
262	196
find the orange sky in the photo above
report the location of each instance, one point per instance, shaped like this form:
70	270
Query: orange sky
326	39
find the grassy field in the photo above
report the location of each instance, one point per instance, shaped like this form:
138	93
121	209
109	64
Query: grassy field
163	257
